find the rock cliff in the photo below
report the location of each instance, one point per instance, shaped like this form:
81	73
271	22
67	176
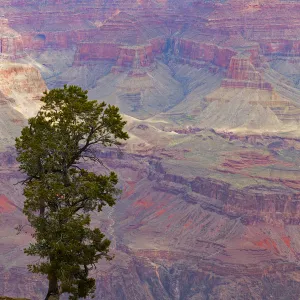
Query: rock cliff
21	87
11	43
245	92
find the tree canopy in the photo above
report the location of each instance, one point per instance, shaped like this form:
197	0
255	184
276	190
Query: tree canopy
60	194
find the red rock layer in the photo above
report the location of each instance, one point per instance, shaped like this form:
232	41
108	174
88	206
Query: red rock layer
242	74
194	50
125	56
266	205
109	31
254	204
11	44
6	206
272	24
144	55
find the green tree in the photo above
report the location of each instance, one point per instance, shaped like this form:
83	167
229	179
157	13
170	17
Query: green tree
60	194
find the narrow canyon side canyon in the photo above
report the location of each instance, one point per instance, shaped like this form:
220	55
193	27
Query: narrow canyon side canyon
210	91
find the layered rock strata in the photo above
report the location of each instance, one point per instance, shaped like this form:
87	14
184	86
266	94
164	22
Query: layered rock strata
245	85
192	241
11	42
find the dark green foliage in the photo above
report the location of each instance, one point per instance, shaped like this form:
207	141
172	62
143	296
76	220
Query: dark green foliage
59	194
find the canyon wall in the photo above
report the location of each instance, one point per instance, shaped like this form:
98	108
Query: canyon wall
204	213
11	42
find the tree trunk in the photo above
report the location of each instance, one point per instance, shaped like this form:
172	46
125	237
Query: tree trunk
53	292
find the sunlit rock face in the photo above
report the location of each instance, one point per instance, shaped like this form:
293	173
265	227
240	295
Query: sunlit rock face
210	176
24	85
21	85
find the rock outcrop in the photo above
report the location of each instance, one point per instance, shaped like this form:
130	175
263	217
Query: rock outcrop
242	74
21	87
11	43
125	57
204	51
247	93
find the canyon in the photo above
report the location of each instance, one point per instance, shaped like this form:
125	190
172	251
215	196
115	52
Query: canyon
210	90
